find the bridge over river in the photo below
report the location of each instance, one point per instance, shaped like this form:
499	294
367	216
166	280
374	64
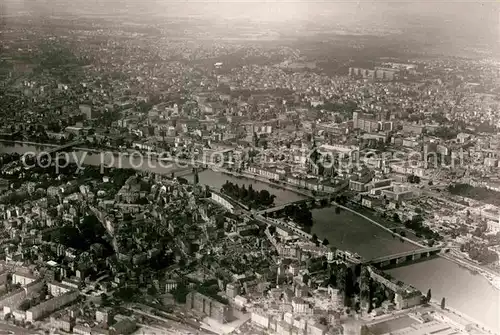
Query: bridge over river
298	202
404	258
64	147
390	261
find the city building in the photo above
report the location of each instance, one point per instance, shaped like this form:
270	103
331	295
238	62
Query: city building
47	307
398	193
365	122
57	289
493	226
82	330
357	186
265	173
170	285
13	299
232	290
260	318
386	74
86	110
300	306
208	306
125	326
433	327
64	323
223	201
22	279
357	72
104	315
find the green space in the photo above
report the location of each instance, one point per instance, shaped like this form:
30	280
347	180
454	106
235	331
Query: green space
255	199
476	192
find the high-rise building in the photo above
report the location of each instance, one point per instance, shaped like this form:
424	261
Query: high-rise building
386	74
357	72
364	122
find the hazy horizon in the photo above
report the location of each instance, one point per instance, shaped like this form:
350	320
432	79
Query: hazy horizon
470	24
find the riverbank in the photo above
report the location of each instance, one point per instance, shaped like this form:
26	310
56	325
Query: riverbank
489	275
379	225
469	293
388	223
448	257
36	144
281	186
386	228
455	314
287	187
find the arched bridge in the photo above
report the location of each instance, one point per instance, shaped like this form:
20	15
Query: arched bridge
404	257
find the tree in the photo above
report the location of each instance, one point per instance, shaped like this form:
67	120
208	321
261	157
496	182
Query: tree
429	295
142	201
323	202
414	179
365	284
255	139
333	250
104	299
182	262
44	291
126	293
325	241
25	305
443	303
180	293
152	290
182	181
341	279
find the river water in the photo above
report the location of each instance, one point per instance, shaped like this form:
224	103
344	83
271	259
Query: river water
464	291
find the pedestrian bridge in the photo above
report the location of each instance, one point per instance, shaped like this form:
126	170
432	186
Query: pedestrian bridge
401	259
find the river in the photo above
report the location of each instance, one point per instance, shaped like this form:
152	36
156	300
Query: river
468	293
464	291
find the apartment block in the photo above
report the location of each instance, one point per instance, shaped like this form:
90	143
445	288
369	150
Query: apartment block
208	306
51	305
